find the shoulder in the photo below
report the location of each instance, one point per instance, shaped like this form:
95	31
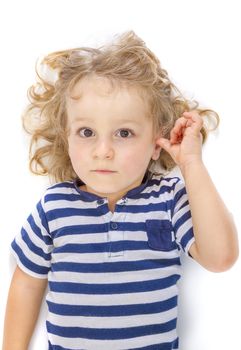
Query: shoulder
168	190
60	191
61	186
166	183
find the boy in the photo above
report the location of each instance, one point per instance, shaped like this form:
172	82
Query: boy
108	236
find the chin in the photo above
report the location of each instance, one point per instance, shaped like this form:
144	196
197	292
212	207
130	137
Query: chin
107	190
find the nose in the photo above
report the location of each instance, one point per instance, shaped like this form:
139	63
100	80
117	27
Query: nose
103	149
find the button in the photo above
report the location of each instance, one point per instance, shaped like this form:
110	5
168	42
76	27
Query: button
100	201
113	225
124	200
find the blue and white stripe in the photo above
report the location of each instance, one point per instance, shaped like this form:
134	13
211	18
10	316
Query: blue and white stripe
112	276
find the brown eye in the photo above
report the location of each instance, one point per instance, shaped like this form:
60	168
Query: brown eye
125	133
85	132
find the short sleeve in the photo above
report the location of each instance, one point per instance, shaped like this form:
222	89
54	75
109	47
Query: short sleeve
181	218
32	247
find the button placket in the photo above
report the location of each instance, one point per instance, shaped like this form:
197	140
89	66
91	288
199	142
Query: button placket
102	205
115	236
114	225
100	201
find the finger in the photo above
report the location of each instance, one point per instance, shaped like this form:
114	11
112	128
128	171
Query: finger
177	131
194	119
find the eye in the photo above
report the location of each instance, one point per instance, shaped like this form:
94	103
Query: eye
125	133
85	132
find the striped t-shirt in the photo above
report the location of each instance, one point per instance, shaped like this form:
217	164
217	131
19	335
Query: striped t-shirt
112	276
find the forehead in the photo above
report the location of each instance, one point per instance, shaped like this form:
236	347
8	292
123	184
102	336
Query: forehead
93	95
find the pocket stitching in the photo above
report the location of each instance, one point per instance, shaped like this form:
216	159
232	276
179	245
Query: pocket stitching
157	232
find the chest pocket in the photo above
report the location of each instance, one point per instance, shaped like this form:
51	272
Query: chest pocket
159	234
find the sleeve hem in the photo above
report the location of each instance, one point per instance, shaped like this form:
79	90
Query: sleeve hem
188	246
25	269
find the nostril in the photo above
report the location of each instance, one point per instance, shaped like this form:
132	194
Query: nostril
103	150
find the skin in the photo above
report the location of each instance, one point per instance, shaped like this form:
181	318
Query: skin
99	139
112	133
23	306
216	245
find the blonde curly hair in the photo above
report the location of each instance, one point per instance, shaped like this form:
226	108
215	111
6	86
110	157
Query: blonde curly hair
125	60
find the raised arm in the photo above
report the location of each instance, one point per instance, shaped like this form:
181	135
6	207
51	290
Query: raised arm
24	301
216	243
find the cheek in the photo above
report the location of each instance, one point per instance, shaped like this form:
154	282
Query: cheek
74	153
71	151
137	157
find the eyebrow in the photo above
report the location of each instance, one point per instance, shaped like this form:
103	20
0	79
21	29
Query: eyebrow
82	119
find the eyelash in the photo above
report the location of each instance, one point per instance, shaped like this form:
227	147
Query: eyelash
131	133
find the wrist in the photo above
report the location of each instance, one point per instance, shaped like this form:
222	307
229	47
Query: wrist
191	165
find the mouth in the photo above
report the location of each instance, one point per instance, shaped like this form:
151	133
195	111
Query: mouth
104	171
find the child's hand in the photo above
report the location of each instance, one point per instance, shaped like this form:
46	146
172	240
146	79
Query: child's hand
185	144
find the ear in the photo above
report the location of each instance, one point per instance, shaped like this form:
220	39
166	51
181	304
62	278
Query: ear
156	151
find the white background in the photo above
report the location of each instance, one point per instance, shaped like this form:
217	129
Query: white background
198	42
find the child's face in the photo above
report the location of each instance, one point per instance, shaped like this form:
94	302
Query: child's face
110	137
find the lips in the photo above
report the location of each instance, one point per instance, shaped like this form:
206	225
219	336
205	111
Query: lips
104	171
